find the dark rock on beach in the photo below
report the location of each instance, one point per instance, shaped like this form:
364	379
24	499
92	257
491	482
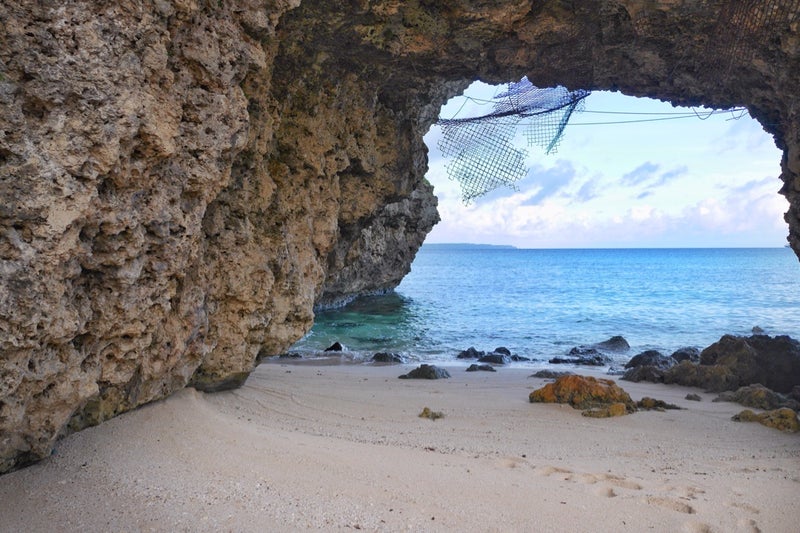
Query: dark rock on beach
644	373
733	362
713	378
648	366
518	358
388	357
590	359
290	355
470	353
651	358
550	374
694	397
484	368
759	397
795	394
502	350
427	372
335	347
686	354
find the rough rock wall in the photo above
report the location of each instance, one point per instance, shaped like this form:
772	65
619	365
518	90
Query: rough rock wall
181	181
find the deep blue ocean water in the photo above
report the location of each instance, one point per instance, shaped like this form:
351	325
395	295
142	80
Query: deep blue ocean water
541	303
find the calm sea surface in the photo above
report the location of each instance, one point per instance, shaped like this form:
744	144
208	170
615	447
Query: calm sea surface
541	303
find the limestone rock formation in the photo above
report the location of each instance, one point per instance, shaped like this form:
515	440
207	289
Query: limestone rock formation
182	181
733	362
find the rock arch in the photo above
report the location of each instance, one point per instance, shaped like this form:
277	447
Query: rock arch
181	182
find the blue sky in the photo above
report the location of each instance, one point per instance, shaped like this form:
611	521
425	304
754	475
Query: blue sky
674	183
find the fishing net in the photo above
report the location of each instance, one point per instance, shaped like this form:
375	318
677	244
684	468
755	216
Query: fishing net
481	149
740	29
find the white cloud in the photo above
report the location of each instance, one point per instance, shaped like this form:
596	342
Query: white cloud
616	190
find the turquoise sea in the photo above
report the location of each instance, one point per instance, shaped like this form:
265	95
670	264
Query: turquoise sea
541	303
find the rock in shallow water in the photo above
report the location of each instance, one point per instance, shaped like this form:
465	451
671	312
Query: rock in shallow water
388	357
616	343
495	359
470	353
427	372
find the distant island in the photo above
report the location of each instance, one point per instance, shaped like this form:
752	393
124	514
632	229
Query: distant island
471	246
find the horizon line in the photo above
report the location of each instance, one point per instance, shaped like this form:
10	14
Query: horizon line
490	245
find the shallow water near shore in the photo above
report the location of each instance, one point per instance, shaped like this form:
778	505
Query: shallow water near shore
541	303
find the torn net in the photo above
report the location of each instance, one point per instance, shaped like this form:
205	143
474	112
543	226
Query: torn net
481	149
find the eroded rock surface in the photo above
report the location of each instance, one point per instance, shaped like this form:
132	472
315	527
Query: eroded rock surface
181	182
585	392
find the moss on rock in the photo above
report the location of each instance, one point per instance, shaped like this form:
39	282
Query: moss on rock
784	419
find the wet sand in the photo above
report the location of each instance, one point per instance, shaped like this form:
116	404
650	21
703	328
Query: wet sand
341	447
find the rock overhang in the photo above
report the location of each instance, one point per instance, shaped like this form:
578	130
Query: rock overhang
182	182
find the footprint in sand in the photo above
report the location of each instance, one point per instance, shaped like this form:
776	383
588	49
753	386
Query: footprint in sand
669	503
697	527
548	471
606	482
746	507
746	524
512	462
620	482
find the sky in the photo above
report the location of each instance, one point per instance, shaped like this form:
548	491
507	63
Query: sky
660	184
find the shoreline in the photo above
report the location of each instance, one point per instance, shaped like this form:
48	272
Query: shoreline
341	447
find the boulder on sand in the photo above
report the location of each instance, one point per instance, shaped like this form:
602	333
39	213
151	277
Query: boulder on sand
733	362
758	397
648	366
784	419
583	392
651	358
427	372
476	368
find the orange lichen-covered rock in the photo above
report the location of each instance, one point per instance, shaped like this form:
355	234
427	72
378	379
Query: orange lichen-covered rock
615	409
583	392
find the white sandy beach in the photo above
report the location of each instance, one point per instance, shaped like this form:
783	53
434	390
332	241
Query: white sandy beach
340	447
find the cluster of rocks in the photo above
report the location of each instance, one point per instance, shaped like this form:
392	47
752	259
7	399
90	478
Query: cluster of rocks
597	397
730	363
759	371
499	356
593	354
